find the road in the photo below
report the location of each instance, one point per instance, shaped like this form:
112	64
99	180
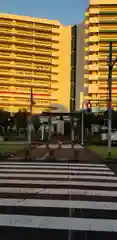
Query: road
46	200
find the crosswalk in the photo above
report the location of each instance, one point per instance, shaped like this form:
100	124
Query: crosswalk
43	200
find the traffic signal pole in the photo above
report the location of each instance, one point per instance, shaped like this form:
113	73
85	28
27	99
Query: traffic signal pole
30	117
110	65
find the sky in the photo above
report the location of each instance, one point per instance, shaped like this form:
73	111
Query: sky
66	11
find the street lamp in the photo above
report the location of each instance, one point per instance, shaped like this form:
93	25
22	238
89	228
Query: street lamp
110	66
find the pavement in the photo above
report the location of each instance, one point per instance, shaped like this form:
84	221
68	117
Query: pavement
45	200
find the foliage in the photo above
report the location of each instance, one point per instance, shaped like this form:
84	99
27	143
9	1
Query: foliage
20	120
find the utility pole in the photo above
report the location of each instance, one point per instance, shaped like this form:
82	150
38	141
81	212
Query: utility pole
110	65
30	116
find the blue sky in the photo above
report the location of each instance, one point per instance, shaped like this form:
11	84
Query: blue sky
67	11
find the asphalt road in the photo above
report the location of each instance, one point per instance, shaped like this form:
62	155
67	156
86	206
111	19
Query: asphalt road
57	201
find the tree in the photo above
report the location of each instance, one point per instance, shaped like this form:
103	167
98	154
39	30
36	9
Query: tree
4	118
36	122
21	120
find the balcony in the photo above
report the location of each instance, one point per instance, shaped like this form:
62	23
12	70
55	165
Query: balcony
105	67
93	20
108	12
86	22
93	10
93	39
28	51
107	21
93	57
5	30
93	77
108	30
93	67
93	29
47	28
92	88
104	49
107	39
5	38
93	48
5	21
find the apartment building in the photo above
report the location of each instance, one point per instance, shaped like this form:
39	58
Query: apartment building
34	53
100	29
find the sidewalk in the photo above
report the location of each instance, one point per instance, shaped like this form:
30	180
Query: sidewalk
88	156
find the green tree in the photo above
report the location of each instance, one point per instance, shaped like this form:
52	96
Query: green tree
21	120
36	123
4	117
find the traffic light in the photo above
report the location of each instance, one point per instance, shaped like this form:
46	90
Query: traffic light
89	107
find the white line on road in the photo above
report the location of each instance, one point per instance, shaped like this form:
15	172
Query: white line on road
56	171
57	182
57	191
84	192
59	204
52	164
62	223
55	167
57	176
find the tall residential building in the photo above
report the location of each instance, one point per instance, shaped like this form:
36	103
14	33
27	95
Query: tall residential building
100	29
34	53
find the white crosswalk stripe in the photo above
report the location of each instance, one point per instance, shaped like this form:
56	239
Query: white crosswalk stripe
58	196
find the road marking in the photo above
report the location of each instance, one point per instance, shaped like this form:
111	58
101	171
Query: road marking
57	191
55	171
52	164
57	182
62	223
57	176
58	204
64	191
20	190
55	167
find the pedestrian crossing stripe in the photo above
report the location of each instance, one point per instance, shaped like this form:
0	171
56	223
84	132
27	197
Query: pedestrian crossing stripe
58	204
54	167
57	191
58	183
52	164
57	176
62	223
53	171
34	188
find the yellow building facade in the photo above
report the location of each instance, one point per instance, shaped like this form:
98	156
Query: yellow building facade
34	53
100	29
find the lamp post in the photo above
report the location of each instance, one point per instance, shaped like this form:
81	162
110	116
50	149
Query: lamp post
110	66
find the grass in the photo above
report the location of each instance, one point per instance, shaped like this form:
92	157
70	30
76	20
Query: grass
10	148
103	151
